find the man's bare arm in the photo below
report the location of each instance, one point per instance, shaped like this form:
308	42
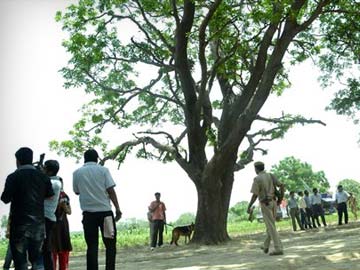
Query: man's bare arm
113	198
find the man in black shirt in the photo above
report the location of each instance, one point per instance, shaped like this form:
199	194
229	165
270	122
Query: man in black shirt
26	189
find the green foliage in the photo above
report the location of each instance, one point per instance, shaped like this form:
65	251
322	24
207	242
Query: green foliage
340	60
353	186
4	222
298	175
238	212
347	100
106	61
185	219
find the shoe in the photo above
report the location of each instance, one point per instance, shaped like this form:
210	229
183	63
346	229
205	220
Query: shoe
276	253
266	250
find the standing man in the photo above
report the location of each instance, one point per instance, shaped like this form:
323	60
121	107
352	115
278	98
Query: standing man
341	198
158	219
308	209
294	211
95	187
305	222
263	188
26	189
51	168
317	207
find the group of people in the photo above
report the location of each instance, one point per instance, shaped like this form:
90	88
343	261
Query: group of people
38	226
39	230
304	210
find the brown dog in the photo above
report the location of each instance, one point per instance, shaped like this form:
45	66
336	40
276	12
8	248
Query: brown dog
182	231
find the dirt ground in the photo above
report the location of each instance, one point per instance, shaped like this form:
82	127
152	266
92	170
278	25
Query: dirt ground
332	248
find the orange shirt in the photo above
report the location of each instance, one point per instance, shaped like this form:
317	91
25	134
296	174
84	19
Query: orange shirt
159	212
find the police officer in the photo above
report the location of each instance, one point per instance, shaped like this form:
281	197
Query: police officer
263	189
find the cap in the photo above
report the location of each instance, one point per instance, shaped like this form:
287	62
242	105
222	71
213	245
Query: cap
259	163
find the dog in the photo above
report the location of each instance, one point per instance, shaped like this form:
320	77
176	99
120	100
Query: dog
182	231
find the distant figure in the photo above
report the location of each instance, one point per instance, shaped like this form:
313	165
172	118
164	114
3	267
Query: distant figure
294	211
317	207
308	209
26	189
353	205
158	220
305	222
283	208
341	198
263	188
95	187
60	242
51	168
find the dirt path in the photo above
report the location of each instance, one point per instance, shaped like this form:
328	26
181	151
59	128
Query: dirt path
333	248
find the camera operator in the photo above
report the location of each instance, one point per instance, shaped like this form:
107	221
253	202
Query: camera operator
26	189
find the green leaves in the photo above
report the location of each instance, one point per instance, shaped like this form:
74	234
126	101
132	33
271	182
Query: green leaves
353	186
123	53
298	175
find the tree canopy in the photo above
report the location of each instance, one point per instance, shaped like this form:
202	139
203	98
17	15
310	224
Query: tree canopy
238	211
299	176
188	79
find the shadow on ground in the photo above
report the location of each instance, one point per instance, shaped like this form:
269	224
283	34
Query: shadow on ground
332	248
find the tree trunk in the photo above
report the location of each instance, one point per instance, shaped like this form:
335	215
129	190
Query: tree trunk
213	204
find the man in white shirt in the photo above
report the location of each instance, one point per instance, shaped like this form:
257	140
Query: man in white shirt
317	208
51	168
341	198
95	187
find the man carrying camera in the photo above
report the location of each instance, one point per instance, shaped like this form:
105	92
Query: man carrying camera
26	189
264	188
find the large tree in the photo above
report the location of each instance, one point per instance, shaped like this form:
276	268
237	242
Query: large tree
298	175
187	75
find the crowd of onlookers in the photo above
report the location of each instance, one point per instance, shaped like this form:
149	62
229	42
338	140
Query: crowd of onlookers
306	210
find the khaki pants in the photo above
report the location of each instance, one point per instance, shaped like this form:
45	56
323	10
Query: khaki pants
269	214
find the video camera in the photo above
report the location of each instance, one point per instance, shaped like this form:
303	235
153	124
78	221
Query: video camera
39	164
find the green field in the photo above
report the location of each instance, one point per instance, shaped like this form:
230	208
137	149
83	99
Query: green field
137	233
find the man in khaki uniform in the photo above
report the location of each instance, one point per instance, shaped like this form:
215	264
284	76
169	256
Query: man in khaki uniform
263	188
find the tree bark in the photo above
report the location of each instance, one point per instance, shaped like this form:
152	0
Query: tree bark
214	193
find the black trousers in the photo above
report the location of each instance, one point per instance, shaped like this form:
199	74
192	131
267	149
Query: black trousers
310	217
319	211
92	222
305	222
342	209
156	231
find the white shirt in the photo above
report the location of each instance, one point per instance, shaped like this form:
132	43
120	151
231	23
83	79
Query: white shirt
341	197
91	182
315	199
51	204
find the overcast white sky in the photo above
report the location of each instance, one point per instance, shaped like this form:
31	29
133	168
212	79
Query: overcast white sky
34	109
